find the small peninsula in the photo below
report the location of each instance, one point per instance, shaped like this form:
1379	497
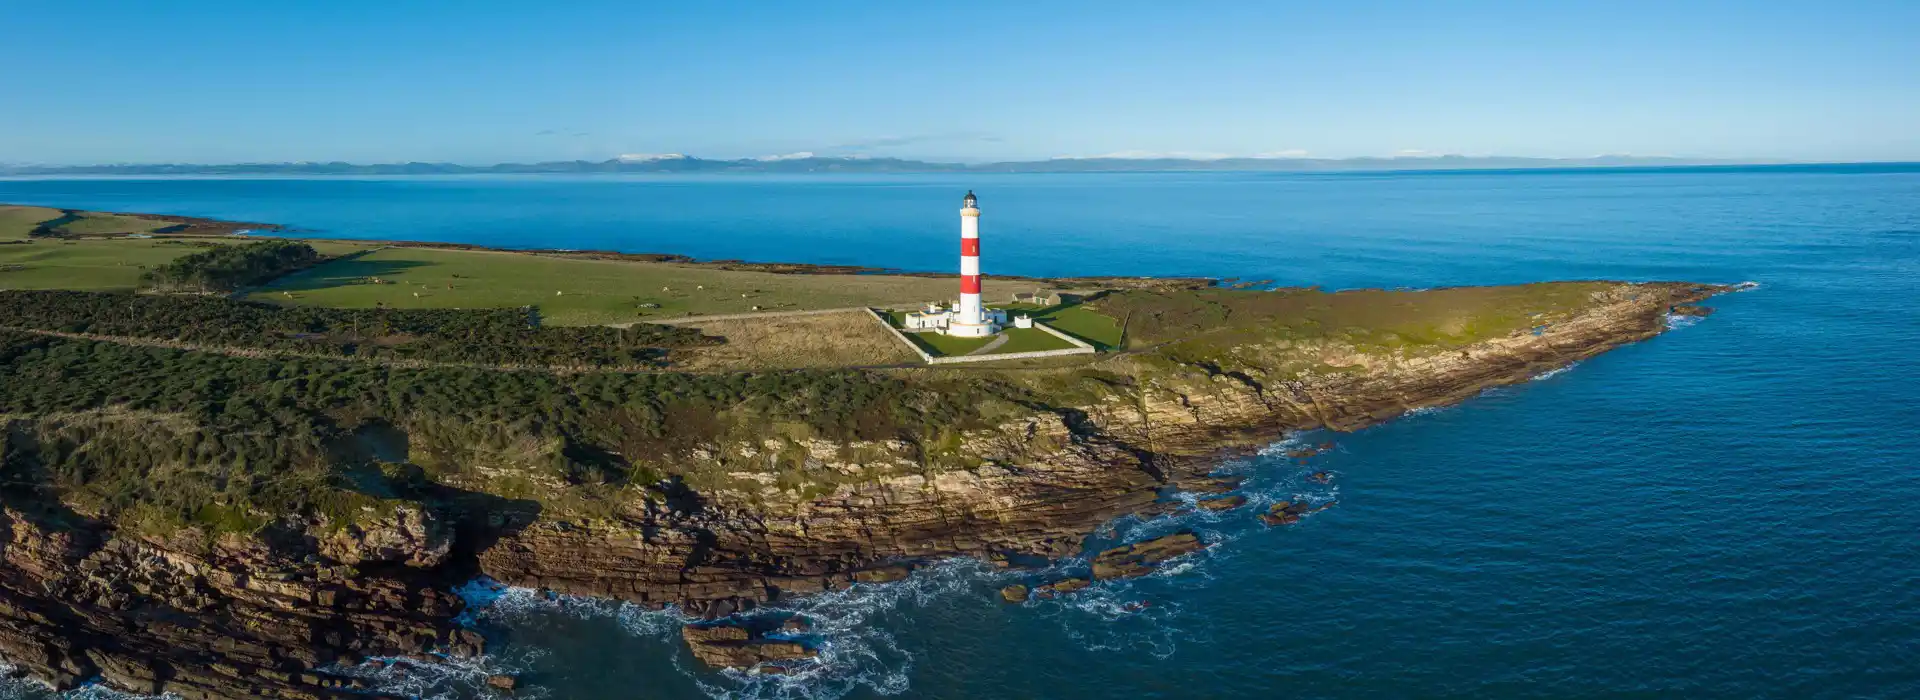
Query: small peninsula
236	467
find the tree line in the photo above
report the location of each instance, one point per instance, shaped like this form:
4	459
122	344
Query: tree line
230	267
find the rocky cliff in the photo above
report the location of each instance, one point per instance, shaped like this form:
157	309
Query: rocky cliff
264	614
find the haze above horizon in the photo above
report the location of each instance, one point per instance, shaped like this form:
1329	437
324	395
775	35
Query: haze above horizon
223	81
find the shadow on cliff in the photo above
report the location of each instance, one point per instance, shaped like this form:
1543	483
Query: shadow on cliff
477	520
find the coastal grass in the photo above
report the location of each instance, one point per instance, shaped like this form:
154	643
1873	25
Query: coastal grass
1030	340
17	222
104	224
940	344
1099	330
107	264
581	291
850	339
1211	327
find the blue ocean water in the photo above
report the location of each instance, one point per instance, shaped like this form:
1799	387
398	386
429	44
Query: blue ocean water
1724	511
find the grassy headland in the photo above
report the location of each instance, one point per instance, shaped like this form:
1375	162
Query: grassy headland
572	290
162	411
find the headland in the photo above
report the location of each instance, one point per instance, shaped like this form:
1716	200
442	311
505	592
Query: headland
234	468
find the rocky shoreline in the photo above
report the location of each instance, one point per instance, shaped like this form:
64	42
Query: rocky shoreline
266	615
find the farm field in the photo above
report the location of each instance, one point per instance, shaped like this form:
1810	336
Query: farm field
15	222
579	291
107	264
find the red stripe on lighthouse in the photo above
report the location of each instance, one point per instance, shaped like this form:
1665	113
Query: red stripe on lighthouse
970	246
969	284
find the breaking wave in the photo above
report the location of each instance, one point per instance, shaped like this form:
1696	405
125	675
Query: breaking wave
1555	372
1677	321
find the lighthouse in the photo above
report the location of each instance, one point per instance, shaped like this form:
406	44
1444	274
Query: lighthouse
969	318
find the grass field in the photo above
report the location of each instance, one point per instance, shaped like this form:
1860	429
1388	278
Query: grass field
98	224
103	264
1097	329
943	345
851	339
577	291
15	222
1030	340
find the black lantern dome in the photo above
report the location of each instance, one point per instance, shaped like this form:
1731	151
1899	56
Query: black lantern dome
970	201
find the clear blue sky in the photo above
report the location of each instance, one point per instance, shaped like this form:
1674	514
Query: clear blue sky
481	81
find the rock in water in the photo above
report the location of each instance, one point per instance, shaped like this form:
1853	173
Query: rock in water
1015	593
796	625
502	681
1220	504
1062	586
883	574
1214	485
1283	513
733	646
1141	558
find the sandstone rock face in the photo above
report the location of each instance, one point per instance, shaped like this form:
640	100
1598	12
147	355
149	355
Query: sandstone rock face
408	536
1142	558
229	619
1213	485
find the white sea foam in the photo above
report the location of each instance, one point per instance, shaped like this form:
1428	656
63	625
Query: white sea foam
1282	446
1555	372
1678	321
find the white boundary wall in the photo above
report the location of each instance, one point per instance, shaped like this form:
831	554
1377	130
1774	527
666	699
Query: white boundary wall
902	335
1080	347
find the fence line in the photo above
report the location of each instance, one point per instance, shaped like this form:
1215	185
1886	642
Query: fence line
897	333
1080	347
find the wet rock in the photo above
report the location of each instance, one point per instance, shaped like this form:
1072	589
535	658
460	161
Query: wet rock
796	625
883	574
1283	513
503	681
1060	587
734	646
1220	504
1321	478
1141	558
1015	593
1213	485
1158	509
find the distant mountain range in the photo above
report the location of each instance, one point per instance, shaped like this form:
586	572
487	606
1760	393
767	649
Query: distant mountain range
676	163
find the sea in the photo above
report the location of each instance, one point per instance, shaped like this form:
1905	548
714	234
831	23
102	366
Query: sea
1727	510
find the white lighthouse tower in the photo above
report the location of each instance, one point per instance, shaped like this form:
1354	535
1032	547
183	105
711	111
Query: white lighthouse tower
969	318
